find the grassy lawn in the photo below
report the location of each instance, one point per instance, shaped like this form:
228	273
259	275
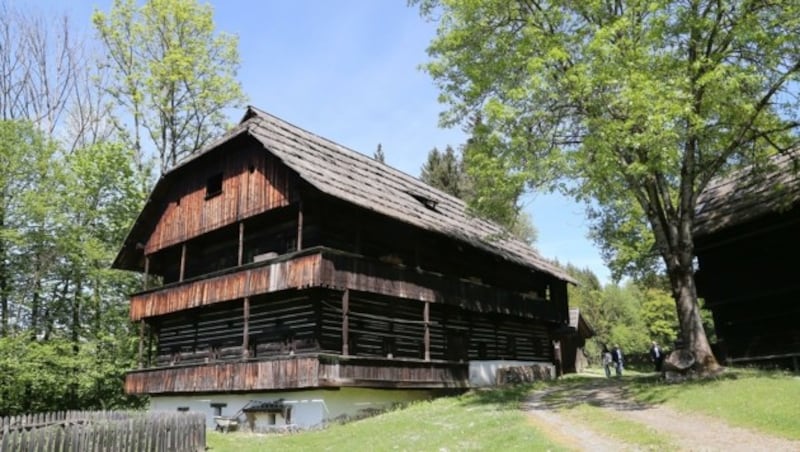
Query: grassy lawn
765	401
483	420
492	420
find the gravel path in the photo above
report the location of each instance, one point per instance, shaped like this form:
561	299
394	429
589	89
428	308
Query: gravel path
690	432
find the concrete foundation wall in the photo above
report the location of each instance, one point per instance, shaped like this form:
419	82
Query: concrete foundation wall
484	373
308	408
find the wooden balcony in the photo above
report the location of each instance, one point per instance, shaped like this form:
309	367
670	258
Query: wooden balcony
296	372
328	268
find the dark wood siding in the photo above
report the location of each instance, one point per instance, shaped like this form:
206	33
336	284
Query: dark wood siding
188	212
748	278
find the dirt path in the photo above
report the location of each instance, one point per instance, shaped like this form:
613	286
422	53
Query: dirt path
690	432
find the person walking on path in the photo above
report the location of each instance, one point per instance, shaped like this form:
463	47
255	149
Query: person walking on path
617	359
657	356
605	356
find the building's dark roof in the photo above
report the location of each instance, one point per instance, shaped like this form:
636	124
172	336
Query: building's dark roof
355	178
746	195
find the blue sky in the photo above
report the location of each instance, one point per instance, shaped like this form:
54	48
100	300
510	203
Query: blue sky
349	70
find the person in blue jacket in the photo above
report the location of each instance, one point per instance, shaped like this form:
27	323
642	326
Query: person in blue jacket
618	359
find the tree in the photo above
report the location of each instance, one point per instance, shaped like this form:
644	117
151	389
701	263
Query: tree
632	106
378	155
489	194
443	170
173	75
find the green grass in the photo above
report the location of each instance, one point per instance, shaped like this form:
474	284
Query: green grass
765	401
492	420
481	420
616	427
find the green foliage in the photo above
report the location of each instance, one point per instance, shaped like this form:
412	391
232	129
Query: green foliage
444	170
630	106
172	73
658	313
38	376
629	315
67	342
492	196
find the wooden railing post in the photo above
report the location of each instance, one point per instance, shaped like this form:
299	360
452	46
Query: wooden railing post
141	343
241	243
300	226
426	318
346	322
150	334
246	328
146	277
183	262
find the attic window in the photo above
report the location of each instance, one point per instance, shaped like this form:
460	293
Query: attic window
214	185
426	201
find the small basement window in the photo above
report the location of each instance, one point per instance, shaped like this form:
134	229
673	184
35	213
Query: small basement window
183	408
214	185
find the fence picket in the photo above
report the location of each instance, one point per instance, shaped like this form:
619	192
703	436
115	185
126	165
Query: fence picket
102	431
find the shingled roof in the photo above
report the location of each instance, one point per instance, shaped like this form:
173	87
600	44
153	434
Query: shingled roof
355	178
746	195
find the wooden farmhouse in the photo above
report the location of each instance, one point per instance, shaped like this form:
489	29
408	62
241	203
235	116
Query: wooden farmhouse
572	342
747	240
283	270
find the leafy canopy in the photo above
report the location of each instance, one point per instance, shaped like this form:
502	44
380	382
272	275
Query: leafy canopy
634	105
172	73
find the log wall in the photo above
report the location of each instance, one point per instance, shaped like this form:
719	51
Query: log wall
253	181
278	325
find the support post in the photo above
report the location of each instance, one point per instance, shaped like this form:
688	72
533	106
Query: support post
300	226
141	343
150	347
241	243
146	277
426	318
246	328
346	322
183	262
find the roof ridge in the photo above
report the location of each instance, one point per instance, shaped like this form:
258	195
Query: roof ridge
354	153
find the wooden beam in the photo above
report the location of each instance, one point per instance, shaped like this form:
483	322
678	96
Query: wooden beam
246	328
426	317
241	243
146	277
346	322
300	226
141	343
183	262
150	334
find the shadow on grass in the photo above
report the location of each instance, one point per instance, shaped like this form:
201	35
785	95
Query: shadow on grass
631	392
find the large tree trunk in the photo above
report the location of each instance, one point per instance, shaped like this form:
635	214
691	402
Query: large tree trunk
693	334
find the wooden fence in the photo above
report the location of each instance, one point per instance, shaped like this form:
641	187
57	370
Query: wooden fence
101	431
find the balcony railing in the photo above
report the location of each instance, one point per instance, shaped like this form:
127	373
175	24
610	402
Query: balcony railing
324	267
